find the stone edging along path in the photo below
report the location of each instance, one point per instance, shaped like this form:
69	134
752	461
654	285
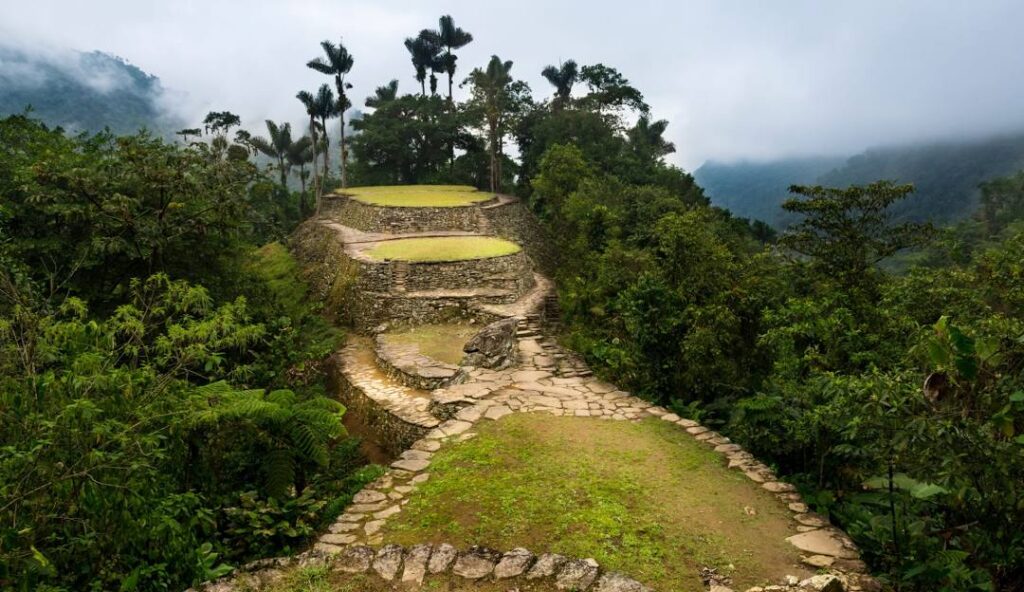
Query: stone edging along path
490	395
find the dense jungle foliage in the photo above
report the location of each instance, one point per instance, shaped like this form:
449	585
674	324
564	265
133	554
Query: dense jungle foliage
162	414
810	355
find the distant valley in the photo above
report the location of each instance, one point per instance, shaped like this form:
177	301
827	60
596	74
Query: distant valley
83	91
945	175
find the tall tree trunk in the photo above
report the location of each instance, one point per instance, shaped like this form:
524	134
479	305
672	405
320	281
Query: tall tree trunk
316	180
344	168
280	169
327	164
450	75
302	183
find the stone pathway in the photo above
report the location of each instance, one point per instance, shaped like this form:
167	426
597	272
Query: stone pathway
547	379
490	395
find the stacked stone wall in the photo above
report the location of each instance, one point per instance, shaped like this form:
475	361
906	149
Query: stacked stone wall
396	220
509	272
515	222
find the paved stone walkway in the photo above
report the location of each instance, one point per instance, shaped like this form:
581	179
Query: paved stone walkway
490	395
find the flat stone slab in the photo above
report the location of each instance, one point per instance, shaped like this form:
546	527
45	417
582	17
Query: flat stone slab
546	566
388	561
616	582
513	563
416	564
354	559
577	574
822	542
442	558
476	563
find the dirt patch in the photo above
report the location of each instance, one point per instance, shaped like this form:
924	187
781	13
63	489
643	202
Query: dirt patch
442	342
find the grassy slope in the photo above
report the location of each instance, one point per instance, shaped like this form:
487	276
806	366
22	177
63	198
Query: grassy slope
419	196
642	498
443	248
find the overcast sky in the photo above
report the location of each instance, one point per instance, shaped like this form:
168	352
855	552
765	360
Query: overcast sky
736	79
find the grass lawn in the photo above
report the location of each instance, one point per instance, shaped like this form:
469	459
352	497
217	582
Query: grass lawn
443	248
642	498
419	196
441	342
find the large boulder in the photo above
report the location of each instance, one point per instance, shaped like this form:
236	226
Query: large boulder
494	347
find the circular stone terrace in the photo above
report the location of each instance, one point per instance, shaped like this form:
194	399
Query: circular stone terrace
440	248
419	196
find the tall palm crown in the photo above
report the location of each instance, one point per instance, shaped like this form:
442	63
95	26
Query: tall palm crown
647	136
423	54
383	94
277	146
448	37
337	62
562	78
491	91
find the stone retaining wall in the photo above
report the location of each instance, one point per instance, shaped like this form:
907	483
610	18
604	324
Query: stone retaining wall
398	428
434	291
508	272
513	220
400	220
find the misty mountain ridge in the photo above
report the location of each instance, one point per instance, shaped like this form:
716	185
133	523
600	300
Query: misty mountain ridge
945	175
83	91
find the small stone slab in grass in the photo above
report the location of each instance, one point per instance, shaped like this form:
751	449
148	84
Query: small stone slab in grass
442	558
388	561
354	559
547	565
513	563
822	542
616	582
577	574
416	564
476	563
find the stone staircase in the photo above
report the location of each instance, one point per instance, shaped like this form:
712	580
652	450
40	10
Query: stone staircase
399	273
483	224
543	352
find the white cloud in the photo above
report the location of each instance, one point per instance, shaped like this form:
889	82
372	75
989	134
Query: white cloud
736	79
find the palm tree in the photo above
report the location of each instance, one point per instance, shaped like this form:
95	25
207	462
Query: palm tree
383	94
338	63
490	92
277	146
448	37
562	78
301	153
424	55
647	137
310	103
326	108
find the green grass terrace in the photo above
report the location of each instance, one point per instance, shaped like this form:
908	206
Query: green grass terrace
442	248
642	498
418	196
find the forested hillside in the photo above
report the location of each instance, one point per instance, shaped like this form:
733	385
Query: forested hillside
945	176
82	91
756	189
164	412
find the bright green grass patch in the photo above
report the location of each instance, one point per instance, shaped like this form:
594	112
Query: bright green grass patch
443	248
441	342
642	498
419	196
